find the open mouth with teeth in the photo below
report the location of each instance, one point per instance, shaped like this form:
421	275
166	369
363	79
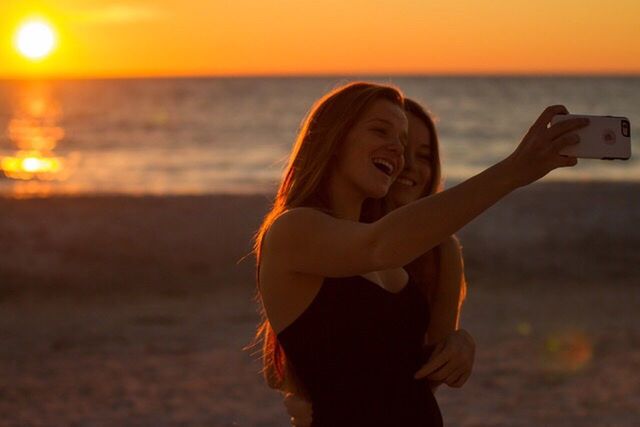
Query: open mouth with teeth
383	165
406	181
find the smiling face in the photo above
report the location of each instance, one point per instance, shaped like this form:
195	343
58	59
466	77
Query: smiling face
371	156
414	180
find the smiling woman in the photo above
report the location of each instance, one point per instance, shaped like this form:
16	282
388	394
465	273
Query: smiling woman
35	39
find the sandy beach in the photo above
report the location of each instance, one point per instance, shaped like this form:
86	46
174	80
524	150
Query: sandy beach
118	310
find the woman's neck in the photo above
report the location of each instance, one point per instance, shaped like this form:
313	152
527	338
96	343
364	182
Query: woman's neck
345	202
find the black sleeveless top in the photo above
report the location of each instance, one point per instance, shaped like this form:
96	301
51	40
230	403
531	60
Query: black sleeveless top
356	349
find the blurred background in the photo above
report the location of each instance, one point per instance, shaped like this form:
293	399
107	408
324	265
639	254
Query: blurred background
141	143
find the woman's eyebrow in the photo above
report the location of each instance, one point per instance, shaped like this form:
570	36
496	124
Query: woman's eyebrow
378	119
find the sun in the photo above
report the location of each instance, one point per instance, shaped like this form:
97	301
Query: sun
35	39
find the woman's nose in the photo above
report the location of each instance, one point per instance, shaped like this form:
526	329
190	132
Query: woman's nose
397	146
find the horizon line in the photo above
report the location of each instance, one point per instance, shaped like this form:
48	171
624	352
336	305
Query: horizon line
195	76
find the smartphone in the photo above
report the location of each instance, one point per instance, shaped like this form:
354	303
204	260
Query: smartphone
605	137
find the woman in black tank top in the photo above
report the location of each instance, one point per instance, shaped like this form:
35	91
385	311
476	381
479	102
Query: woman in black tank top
320	313
443	292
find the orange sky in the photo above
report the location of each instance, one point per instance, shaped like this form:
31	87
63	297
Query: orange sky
106	38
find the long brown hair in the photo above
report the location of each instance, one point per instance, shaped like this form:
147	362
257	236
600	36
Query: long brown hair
305	184
419	267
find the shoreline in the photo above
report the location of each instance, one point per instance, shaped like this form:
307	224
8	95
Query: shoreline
112	243
4	195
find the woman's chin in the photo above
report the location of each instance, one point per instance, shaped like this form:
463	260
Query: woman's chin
377	192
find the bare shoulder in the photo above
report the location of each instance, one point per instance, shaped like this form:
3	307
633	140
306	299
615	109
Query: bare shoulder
451	244
300	215
283	235
293	221
452	240
310	241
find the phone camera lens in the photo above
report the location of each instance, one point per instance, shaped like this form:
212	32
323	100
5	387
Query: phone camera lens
625	128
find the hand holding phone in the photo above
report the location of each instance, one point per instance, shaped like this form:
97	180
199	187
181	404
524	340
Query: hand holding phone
605	137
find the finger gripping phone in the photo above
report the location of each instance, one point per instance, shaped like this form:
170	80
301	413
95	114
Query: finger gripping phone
605	137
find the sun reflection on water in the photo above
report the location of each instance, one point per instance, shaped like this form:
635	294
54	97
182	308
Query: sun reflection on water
27	165
35	131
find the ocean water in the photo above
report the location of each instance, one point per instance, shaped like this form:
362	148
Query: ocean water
233	135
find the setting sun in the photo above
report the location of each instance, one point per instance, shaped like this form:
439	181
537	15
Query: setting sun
35	39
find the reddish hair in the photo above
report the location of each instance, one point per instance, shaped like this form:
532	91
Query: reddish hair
305	184
418	267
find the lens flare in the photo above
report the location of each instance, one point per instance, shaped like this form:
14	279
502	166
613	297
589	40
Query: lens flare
567	351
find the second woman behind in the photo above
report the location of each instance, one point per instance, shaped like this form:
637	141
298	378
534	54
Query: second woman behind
439	273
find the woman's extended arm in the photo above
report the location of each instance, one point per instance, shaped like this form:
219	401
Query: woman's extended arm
311	242
444	213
